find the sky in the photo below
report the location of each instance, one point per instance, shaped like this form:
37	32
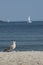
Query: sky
20	10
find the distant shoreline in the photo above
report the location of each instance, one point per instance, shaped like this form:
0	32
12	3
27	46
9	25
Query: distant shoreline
19	21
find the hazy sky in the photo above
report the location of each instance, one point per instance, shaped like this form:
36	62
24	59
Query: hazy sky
20	9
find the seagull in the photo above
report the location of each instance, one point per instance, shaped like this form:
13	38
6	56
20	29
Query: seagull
12	47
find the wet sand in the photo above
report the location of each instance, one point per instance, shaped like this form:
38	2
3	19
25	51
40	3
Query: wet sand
21	58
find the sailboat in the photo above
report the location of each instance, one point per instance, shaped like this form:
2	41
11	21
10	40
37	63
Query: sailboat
8	21
29	20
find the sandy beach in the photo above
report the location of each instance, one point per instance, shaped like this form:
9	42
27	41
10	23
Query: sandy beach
21	58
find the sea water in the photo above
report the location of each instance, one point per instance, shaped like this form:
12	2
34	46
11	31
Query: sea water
28	36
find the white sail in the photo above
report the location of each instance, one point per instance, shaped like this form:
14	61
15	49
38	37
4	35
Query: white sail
29	20
8	21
